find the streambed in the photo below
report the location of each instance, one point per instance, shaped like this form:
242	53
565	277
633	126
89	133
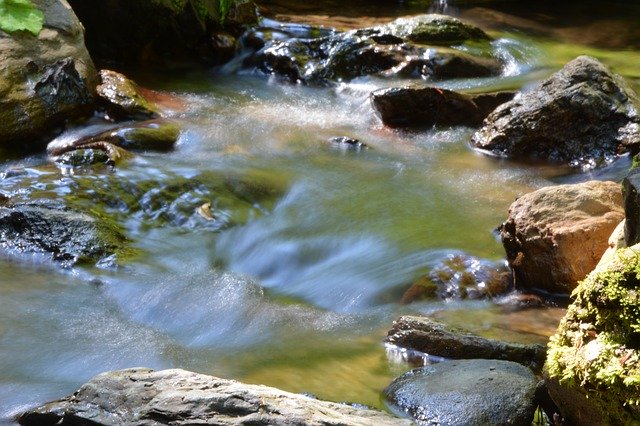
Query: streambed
297	280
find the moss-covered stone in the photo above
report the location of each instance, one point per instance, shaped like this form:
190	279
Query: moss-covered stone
434	29
121	97
593	361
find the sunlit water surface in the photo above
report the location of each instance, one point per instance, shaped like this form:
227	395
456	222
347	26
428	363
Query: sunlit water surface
299	286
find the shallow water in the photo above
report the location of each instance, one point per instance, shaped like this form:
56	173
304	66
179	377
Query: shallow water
297	280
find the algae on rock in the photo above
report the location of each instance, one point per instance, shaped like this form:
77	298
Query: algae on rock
593	361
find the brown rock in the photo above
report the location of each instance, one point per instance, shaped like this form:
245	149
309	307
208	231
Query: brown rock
556	235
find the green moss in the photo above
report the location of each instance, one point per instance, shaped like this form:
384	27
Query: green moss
597	347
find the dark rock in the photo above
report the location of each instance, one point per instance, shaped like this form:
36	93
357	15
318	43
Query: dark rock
430	337
161	32
319	58
469	392
630	187
121	97
581	115
415	106
556	235
345	142
46	80
69	236
461	277
593	362
144	397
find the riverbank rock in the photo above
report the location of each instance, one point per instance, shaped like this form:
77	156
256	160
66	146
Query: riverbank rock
45	79
310	56
415	106
143	396
469	392
556	235
68	236
164	33
580	116
593	364
425	335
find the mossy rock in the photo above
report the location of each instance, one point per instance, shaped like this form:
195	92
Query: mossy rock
434	29
593	361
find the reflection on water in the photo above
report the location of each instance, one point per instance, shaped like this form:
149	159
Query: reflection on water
297	283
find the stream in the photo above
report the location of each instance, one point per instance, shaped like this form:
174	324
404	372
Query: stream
296	281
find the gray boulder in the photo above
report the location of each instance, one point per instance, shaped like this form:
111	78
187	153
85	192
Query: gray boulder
68	236
579	116
415	106
46	79
428	336
466	392
178	397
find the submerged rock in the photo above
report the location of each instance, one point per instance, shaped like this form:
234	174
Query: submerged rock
556	235
469	392
415	106
461	277
593	364
121	97
46	79
425	335
579	116
143	396
388	50
68	236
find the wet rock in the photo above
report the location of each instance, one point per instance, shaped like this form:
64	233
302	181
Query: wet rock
156	135
630	189
556	235
469	392
121	97
580	116
319	58
68	236
425	335
143	396
164	33
593	364
433	29
347	143
46	80
416	106
461	277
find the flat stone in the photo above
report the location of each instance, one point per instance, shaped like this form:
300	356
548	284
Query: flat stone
142	396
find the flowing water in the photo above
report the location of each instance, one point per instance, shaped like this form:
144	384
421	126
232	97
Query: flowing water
297	279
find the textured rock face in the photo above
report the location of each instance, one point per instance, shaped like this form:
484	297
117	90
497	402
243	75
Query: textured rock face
556	235
428	336
593	363
177	397
414	106
579	116
44	80
309	56
48	227
469	392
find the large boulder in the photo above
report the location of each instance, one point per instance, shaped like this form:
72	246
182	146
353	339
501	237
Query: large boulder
425	335
44	79
145	397
311	56
593	363
580	116
469	392
416	106
556	235
162	31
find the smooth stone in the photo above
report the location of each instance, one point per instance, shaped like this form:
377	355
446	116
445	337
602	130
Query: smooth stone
121	97
469	392
142	396
425	335
556	235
